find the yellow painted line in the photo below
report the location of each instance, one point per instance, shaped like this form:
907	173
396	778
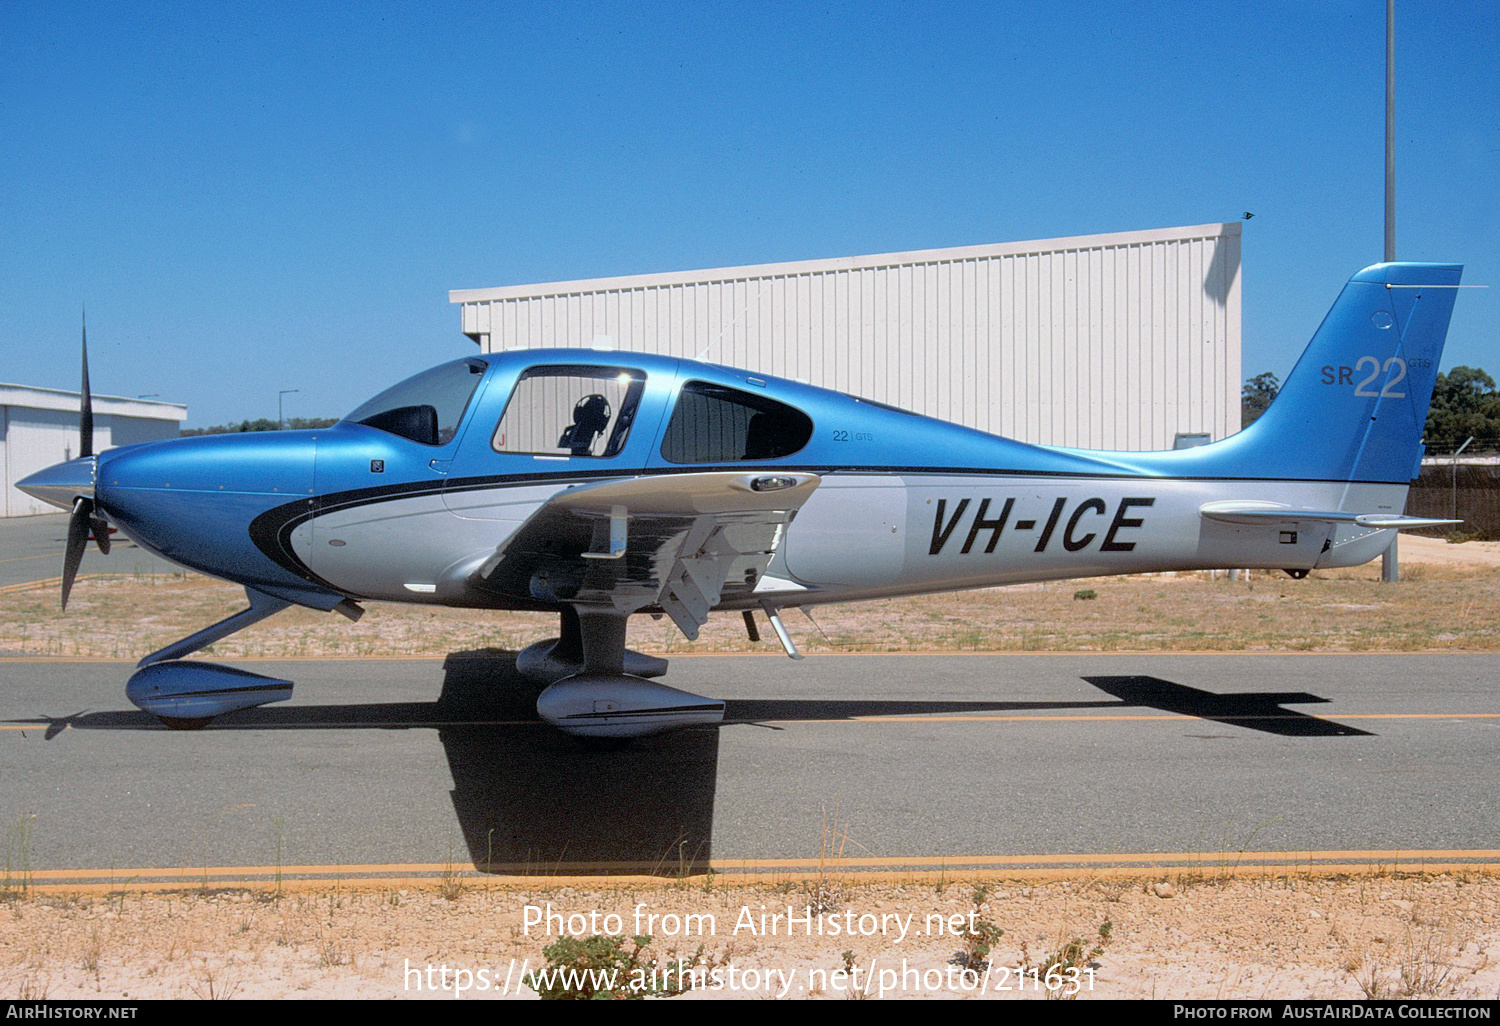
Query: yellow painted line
16	589
42	660
185	578
44	580
1420	716
1114	857
42	555
334	725
234	659
42	728
732	865
418	657
987	653
211	871
52	582
585	875
616	882
1251	717
932	653
1333	718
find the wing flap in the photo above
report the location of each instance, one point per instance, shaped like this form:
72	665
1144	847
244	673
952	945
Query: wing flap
678	542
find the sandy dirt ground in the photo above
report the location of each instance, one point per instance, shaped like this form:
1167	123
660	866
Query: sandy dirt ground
1378	936
1436	551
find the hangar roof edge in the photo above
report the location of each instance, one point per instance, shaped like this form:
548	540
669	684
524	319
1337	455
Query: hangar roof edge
718	274
37	398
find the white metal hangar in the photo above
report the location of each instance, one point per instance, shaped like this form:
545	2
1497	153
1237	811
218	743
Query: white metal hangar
1122	341
39	427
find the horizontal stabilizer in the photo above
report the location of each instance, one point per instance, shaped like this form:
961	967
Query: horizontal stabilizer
1251	513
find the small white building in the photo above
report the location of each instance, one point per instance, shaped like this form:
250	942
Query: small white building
39	427
1121	341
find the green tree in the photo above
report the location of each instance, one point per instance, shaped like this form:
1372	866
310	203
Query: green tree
1464	403
262	424
1256	396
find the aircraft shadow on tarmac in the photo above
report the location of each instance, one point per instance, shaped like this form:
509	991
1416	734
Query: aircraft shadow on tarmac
1257	710
530	799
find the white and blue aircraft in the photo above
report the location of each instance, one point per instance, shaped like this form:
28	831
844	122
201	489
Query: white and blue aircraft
601	484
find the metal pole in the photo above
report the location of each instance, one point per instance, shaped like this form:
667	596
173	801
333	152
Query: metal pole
1390	130
1390	566
281	421
1453	467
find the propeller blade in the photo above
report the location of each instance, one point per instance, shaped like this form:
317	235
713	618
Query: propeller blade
100	527
78	539
86	404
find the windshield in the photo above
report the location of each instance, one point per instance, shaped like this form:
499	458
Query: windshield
427	407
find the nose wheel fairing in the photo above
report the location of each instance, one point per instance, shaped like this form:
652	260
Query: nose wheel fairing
187	695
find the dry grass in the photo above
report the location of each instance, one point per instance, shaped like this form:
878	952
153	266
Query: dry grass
1284	936
1429	961
1435	608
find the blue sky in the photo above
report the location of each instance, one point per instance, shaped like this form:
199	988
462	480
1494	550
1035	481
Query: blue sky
251	197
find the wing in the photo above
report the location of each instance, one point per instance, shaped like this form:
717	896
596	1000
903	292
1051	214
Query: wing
1252	512
680	543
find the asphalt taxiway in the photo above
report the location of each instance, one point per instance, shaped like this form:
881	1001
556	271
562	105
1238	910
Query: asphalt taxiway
31	551
937	762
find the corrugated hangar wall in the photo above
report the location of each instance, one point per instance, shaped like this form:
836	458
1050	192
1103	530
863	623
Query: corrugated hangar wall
39	427
1118	341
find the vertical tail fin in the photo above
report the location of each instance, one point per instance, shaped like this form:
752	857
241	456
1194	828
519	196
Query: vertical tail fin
1354	407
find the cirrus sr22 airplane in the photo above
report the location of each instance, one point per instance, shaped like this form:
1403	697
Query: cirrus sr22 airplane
597	485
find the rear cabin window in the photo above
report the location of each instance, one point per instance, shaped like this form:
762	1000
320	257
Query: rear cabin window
715	424
570	411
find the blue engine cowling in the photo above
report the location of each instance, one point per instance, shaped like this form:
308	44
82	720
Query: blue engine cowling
182	690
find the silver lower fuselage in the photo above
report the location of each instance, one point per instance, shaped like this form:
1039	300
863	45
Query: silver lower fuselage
869	535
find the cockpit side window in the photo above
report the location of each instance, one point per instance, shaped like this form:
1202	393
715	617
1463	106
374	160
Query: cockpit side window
570	411
427	407
715	424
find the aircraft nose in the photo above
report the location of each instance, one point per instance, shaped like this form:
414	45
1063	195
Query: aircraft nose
59	484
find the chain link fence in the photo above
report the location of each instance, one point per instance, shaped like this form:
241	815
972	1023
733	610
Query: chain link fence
1466	488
